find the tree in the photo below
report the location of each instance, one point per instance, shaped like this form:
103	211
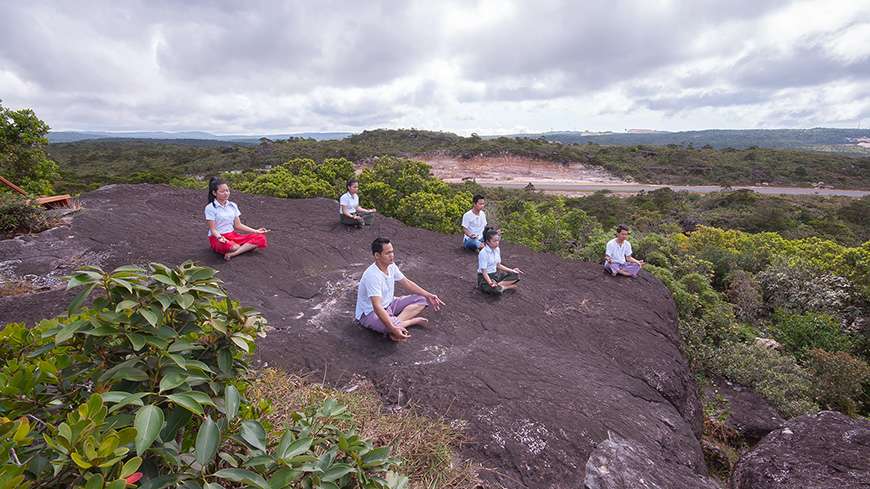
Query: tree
22	151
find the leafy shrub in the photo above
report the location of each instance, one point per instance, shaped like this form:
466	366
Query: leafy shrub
745	293
148	383
798	288
801	332
773	375
434	211
19	216
840	379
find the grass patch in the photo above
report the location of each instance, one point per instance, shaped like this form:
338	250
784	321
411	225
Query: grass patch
426	446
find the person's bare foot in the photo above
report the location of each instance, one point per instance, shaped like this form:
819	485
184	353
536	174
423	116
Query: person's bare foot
416	322
227	256
399	338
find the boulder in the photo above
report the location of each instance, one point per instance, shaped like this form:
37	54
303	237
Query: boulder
827	450
748	414
574	363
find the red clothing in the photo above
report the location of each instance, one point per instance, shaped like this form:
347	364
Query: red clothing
234	238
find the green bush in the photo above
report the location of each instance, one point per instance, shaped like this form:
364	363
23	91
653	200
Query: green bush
745	293
841	379
800	332
775	376
149	382
17	215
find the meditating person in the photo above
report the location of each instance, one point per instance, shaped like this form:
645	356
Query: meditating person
223	221
376	306
492	276
617	256
473	224
349	209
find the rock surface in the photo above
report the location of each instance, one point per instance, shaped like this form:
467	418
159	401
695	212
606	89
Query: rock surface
541	377
828	450
749	415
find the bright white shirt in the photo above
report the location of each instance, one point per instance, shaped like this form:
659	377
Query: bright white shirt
374	283
349	201
223	216
474	223
488	259
616	252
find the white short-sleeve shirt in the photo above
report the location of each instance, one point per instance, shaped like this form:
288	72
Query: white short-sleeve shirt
474	223
374	283
616	252
223	216
488	259
349	201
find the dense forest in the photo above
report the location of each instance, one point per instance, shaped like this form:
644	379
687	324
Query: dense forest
87	164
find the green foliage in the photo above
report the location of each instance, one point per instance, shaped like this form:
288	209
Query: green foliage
22	151
777	377
17	215
840	380
799	333
149	381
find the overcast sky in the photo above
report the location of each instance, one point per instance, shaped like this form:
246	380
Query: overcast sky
488	66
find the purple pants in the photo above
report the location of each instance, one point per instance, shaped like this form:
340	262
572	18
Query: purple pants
632	268
373	322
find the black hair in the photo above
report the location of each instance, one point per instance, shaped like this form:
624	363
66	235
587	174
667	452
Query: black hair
476	198
488	233
621	228
213	185
378	245
351	181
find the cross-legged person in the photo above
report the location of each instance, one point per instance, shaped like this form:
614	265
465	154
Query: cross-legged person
378	309
473	224
222	217
349	210
492	276
617	256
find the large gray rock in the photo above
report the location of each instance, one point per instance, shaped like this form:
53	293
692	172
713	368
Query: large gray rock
749	415
540	377
827	450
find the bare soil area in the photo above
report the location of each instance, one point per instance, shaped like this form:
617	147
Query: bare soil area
511	168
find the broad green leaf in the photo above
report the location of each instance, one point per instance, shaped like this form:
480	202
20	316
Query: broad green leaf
179	360
232	399
298	447
185	301
172	378
208	440
283	477
176	418
123	283
200	397
159	482
130	467
68	331
164	279
22	431
181	345
135	399
117	484
241	343
212	485
77	302
260	460
253	433
95	482
148	423
186	402
149	316
132	374
165	301
208	289
125	304
80	461
244	476
137	340
336	472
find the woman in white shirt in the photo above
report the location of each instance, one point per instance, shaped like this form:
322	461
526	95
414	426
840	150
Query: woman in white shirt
222	217
493	277
349	211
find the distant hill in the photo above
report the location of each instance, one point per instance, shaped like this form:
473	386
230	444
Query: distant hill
73	136
717	138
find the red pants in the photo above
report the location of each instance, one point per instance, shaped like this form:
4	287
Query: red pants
234	238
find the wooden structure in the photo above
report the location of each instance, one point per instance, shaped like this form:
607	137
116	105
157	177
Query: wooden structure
50	201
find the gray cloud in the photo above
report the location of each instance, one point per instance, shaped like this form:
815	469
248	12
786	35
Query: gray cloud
229	66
